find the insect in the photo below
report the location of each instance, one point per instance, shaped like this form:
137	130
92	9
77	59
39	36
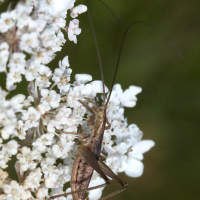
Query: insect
88	157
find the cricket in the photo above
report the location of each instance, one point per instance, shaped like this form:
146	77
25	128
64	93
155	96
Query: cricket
89	156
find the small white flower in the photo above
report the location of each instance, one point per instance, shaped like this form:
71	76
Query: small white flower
63	5
17	62
26	195
23	19
33	180
47	38
54	7
21	130
73	97
42	193
63	83
43	80
83	78
87	91
4	53
73	30
37	24
12	78
128	98
78	10
13	190
41	143
32	69
56	151
17	102
61	78
59	40
7	21
135	132
98	87
28	101
31	117
64	63
50	99
52	125
43	55
51	180
116	94
4	158
61	75
3	176
8	120
134	165
11	147
63	114
41	108
27	158
25	7
29	41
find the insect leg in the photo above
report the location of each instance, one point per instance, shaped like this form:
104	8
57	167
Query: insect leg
112	175
95	102
100	167
90	158
80	135
73	133
69	193
87	107
92	101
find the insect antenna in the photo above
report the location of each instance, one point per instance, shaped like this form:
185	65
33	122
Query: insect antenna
120	51
122	43
98	53
119	21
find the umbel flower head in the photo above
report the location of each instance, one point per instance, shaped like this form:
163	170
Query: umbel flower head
33	127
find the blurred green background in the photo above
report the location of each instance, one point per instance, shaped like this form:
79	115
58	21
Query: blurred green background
168	109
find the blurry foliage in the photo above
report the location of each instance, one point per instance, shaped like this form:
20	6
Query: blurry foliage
168	109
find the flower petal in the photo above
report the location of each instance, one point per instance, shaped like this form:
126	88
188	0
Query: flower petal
97	87
142	147
95	194
83	78
135	168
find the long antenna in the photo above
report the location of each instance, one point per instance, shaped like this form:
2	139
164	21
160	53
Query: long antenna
98	52
119	21
120	51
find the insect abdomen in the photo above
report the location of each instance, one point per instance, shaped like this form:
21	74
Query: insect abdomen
81	176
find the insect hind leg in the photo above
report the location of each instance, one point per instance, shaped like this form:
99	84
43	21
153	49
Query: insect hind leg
111	174
101	168
83	136
74	192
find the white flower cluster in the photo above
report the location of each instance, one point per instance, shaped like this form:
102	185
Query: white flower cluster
34	28
42	131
